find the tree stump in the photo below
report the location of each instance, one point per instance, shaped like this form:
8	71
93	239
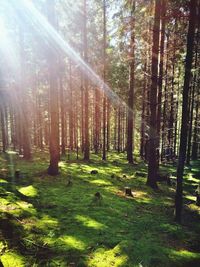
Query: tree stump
17	174
97	195
97	198
94	172
128	191
69	183
142	174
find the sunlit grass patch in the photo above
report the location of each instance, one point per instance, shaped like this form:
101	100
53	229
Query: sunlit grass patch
88	222
72	242
184	258
45	222
100	182
13	259
103	257
29	191
3	181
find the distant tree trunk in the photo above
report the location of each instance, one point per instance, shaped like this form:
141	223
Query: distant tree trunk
104	128
152	166
97	121
104	78
115	129
40	122
184	124
71	113
23	112
12	127
108	124
3	126
195	141
164	116
62	110
160	80
176	118
191	111
86	144
119	131
142	131
123	119
190	118
171	116
53	94
131	90
82	116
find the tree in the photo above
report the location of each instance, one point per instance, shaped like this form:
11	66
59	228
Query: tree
160	80
131	89
152	166
104	78
86	96
23	112
53	95
184	124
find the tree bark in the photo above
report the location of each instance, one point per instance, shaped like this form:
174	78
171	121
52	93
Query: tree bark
53	95
152	166
86	135
131	89
184	124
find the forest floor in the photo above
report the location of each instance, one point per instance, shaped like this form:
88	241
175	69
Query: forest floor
58	221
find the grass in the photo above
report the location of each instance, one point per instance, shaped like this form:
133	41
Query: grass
47	221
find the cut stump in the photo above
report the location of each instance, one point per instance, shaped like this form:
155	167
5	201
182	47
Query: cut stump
128	191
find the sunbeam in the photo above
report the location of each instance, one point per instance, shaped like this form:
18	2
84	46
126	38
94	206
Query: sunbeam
27	10
8	49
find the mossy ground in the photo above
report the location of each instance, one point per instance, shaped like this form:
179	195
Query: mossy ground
47	221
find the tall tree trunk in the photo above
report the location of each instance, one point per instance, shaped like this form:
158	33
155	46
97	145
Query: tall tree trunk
87	143
152	166
160	80
164	116
195	135
176	118
71	112
108	124
24	111
184	124
97	121
53	95
131	89
62	110
192	107
82	116
3	126
119	131
104	78
190	116
142	130
115	129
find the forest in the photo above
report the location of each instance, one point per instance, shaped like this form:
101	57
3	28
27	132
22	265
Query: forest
100	133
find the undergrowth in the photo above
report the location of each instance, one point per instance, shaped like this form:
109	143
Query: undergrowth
57	221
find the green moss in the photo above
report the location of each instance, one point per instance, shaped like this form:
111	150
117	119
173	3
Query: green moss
28	191
103	258
12	259
59	224
88	222
72	242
